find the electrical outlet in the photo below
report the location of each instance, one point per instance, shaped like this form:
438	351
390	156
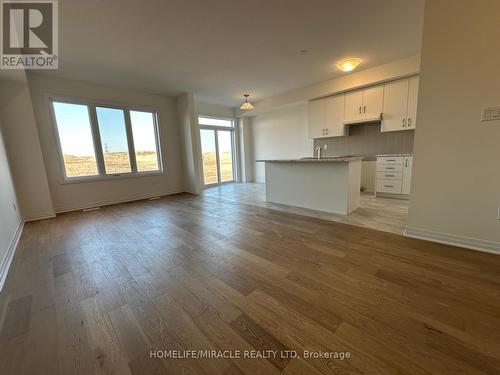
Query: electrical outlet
490	113
325	147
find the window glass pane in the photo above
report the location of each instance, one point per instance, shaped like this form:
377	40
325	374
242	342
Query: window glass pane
114	140
225	155
75	137
215	122
143	131
207	138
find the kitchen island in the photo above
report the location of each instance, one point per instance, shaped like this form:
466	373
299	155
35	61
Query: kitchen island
330	184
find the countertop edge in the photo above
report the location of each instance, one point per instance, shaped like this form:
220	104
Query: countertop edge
325	160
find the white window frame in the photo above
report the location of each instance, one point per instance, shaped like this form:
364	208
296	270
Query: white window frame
96	139
231	129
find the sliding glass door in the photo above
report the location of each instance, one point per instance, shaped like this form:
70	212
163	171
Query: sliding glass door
217	151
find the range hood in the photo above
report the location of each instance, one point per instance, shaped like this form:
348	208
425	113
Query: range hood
365	120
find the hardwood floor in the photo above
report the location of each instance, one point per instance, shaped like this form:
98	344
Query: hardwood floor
95	292
385	214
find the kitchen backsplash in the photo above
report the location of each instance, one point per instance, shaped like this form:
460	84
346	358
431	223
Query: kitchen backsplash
368	141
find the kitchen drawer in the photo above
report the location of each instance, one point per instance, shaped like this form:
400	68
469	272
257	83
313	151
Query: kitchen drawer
399	160
388	175
389	186
391	168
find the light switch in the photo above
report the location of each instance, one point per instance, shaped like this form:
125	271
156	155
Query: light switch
491	113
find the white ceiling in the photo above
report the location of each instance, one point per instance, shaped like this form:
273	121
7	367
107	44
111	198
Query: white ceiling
220	49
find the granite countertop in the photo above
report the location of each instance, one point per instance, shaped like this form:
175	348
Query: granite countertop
316	160
395	155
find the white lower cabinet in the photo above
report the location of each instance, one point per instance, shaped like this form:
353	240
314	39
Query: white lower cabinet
393	175
389	186
405	189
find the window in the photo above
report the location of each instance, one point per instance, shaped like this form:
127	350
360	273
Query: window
217	150
75	138
99	141
113	140
145	145
215	121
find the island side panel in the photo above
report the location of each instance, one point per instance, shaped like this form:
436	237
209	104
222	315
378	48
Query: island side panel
317	186
354	186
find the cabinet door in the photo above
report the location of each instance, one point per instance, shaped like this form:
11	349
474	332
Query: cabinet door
411	121
373	99
335	116
317	118
405	189
395	105
354	106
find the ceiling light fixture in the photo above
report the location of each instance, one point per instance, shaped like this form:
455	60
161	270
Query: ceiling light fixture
348	64
246	104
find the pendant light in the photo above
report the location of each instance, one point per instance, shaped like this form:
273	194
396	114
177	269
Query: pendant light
246	104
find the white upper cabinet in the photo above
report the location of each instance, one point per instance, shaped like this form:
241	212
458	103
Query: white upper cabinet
396	101
411	122
326	117
354	106
335	116
395	105
373	100
316	118
400	105
365	104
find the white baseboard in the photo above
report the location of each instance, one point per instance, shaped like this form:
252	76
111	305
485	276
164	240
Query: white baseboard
40	216
87	205
5	263
454	240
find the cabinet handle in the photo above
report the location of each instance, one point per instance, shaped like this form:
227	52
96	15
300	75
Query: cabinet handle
359	109
391	159
388	185
390	168
409	122
389	175
364	109
406	163
404	123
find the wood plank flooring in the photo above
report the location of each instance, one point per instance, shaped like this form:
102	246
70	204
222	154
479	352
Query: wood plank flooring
95	292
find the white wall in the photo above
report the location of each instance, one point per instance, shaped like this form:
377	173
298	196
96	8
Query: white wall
279	135
215	110
80	195
10	218
455	191
23	147
188	125
247	160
